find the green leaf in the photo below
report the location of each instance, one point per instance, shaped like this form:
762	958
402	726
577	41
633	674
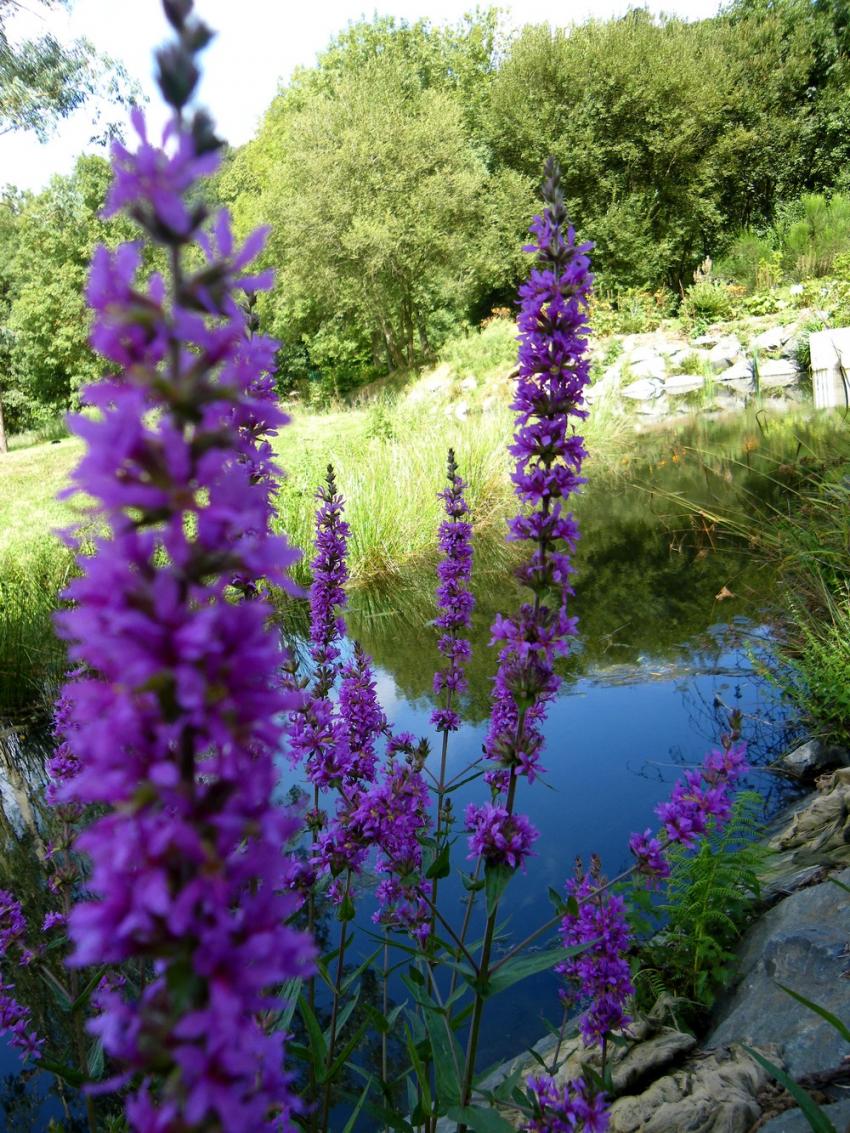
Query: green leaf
480	1120
352	1121
520	967
345	912
441	865
840	884
558	902
446	1055
496	878
95	1061
314	1032
833	1020
344	1015
813	1113
471	883
421	1076
358	972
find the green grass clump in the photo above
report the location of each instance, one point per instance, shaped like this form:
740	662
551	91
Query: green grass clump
482	353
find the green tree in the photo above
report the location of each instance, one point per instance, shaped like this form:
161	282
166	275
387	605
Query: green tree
42	80
387	224
46	326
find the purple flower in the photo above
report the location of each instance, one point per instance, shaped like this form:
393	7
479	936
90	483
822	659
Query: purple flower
600	973
565	1109
703	796
327	592
176	715
453	598
16	1022
552	373
499	837
649	852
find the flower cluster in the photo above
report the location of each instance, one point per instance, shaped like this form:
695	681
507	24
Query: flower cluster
16	1019
600	973
499	837
571	1108
327	592
552	374
702	797
176	715
454	599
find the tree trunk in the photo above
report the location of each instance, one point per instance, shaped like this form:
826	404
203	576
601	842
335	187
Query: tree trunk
3	445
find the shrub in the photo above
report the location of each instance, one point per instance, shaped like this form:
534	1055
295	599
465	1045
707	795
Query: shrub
748	251
820	234
707	301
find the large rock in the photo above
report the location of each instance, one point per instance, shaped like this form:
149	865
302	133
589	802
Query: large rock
811	758
654	367
645	389
679	384
773	338
740	371
777	373
725	352
714	1094
800	943
820	831
793	1121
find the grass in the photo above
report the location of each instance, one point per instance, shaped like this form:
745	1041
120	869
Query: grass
389	455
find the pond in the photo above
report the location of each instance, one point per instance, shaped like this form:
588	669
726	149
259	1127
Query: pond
672	617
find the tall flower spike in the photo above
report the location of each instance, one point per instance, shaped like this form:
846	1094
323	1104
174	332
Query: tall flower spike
174	720
454	599
327	593
548	452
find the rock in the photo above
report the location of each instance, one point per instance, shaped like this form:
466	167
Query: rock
469	384
641	354
679	384
708	1095
738	372
706	340
653	367
645	389
793	1121
773	338
822	828
654	409
671	348
800	942
650	1056
440	380
776	373
461	410
725	352
812	758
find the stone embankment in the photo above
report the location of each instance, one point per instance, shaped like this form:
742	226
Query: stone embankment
660	374
668	1082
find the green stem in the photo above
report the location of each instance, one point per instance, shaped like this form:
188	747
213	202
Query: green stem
340	962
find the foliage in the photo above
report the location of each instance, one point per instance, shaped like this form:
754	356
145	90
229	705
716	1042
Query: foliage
710	896
821	232
42	80
707	301
816	673
483	353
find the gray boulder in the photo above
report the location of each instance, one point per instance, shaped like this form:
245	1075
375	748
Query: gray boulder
812	758
678	384
645	389
773	338
776	373
740	371
793	1121
800	943
725	352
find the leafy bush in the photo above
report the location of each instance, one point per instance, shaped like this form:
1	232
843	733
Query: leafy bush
818	672
711	895
630	311
748	251
820	234
484	352
707	301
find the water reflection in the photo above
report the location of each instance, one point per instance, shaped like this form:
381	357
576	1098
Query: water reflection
672	611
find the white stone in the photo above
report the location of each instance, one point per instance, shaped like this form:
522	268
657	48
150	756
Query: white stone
469	383
671	348
461	410
645	389
772	338
652	367
796	289
705	340
738	372
641	353
678	384
776	373
726	351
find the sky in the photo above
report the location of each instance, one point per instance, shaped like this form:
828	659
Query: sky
258	45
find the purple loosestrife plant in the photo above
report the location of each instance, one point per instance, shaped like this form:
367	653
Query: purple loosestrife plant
552	372
454	600
565	1109
175	718
548	453
327	593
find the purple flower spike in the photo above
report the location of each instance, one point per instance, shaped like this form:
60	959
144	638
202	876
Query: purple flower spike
174	719
552	374
453	598
570	1108
327	592
601	972
499	837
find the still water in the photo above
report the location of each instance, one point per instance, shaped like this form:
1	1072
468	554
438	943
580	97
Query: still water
672	616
